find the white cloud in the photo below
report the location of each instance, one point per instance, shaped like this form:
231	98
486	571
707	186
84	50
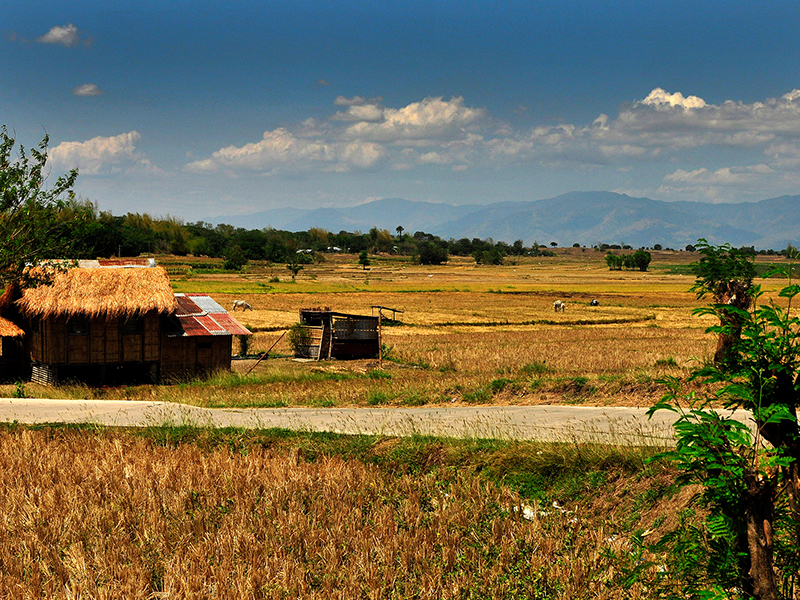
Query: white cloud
354	101
663	127
723	176
720	185
281	148
101	155
660	99
87	89
64	35
358	138
360	112
430	118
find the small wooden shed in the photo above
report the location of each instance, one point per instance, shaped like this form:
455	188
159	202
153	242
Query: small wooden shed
197	337
338	335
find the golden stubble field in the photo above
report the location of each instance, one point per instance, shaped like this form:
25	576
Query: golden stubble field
467	334
108	515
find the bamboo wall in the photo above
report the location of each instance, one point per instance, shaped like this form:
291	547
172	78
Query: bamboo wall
182	356
104	342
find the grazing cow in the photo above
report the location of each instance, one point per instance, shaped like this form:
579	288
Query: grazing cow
241	304
559	306
594	303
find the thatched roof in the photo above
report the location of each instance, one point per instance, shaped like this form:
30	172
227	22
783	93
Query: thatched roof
101	293
7	327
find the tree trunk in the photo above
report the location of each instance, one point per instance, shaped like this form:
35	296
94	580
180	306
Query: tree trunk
735	295
759	516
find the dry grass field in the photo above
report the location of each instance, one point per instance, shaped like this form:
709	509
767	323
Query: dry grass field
468	334
107	515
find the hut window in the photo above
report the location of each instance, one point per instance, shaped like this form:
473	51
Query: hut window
133	326
78	326
35	324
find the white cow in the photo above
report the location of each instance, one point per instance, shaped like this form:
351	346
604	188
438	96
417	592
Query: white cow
240	304
559	306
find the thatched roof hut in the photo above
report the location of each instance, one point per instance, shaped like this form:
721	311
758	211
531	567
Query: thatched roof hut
101	292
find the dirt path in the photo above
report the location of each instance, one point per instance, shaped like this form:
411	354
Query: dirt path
551	423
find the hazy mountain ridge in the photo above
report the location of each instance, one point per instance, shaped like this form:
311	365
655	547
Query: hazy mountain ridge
586	218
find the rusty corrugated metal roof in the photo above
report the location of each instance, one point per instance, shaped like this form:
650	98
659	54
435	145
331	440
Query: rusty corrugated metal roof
230	324
117	263
200	315
187	307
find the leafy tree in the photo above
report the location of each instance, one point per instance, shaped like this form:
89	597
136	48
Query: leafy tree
751	537
628	262
234	257
641	259
726	274
363	259
295	267
381	239
614	262
30	228
431	253
490	256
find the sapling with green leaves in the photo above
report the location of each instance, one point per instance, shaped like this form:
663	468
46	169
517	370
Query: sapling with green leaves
31	227
750	544
726	274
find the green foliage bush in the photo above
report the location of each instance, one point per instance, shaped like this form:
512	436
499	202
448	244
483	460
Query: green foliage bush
748	545
299	337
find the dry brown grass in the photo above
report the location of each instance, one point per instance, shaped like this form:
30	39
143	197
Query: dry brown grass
463	328
103	515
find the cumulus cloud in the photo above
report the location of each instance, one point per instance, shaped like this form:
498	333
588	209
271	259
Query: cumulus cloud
101	155
358	138
661	127
660	100
716	185
354	101
87	89
429	118
361	112
64	35
281	148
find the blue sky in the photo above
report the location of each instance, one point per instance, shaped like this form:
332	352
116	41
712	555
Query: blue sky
199	109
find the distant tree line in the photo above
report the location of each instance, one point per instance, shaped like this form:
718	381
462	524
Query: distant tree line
94	233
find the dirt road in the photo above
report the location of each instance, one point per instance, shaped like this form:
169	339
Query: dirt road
551	423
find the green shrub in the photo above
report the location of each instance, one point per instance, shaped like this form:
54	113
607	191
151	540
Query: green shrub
535	368
299	338
377	397
498	385
479	396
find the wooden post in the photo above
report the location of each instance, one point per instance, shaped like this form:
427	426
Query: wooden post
380	342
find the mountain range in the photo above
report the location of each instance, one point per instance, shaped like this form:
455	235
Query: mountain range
586	218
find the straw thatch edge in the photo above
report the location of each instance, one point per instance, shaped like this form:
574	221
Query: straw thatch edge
95	293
